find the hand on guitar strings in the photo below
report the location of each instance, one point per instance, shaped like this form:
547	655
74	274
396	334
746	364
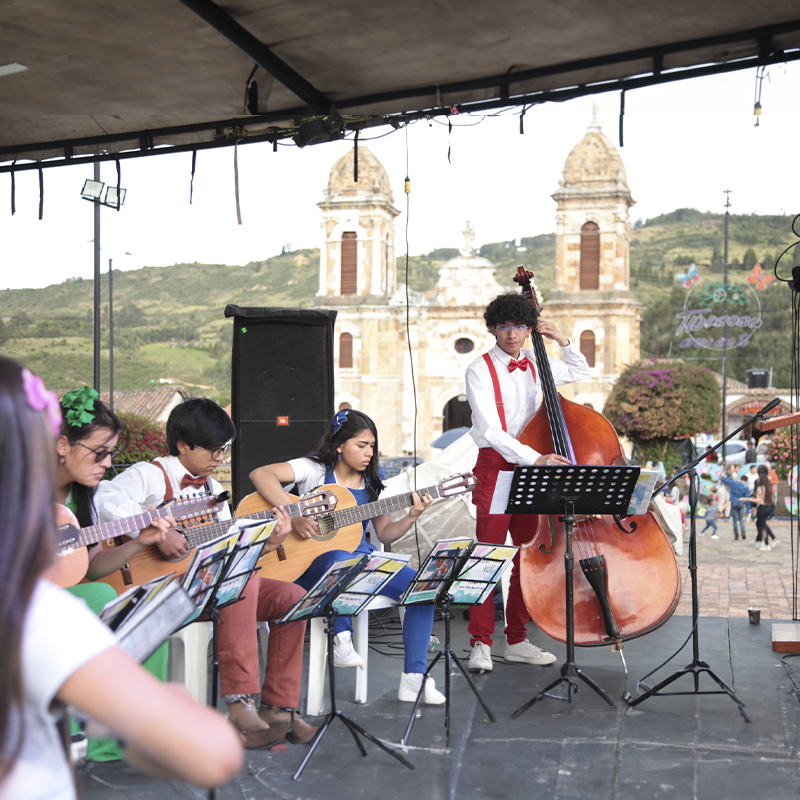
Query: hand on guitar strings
420	504
281	530
157	532
305	528
174	544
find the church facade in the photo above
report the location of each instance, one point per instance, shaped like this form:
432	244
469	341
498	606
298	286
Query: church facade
407	370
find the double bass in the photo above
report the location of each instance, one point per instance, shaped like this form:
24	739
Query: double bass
629	582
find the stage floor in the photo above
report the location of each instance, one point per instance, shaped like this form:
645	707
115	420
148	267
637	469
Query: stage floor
678	746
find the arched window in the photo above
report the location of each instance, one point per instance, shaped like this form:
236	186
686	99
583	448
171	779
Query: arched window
349	281
590	256
587	346
345	351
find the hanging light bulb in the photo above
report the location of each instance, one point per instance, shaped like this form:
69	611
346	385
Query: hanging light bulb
757	112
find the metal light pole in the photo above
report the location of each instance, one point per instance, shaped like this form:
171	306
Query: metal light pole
725	327
96	371
110	334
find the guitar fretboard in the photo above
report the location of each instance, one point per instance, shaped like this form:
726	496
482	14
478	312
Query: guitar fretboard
349	516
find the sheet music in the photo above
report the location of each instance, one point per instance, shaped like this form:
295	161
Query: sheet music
501	491
643	491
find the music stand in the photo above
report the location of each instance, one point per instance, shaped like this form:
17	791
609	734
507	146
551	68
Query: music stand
697	666
451	575
228	563
573	489
319	602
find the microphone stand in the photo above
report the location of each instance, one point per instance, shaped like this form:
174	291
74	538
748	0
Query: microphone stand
697	666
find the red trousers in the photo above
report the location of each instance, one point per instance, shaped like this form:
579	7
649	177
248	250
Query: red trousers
264	600
492	529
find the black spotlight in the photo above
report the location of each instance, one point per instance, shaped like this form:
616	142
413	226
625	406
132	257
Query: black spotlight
319	129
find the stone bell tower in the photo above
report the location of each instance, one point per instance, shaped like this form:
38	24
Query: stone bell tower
357	258
592	302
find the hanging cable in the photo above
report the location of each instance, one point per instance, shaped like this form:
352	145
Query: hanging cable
13	191
757	100
41	193
355	158
621	116
236	180
191	180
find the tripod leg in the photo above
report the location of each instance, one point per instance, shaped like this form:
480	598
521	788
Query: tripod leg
587	680
411	721
472	686
323	729
354	726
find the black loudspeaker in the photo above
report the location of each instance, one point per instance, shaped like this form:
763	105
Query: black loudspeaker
282	386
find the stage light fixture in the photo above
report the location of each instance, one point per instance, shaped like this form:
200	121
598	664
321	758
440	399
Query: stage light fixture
319	130
112	197
92	190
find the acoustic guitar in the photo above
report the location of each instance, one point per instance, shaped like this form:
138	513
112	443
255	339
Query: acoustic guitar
341	528
72	555
150	563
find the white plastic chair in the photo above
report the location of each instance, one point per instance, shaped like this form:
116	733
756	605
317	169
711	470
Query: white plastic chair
189	662
318	650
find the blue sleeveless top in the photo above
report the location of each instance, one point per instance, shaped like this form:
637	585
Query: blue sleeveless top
362	496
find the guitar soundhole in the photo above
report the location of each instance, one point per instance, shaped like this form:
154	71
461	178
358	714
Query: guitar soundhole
326	530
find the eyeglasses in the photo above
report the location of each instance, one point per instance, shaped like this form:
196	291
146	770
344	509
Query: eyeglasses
507	328
219	452
102	453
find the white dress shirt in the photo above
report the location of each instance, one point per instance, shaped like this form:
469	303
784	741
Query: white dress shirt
142	485
519	393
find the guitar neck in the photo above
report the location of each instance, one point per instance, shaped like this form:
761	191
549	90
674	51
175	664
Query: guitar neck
205	533
93	534
397	502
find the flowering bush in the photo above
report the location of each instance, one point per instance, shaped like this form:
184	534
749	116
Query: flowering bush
655	402
145	440
783	451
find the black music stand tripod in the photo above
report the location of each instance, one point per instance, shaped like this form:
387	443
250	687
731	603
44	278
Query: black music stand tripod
449	658
573	489
354	728
697	666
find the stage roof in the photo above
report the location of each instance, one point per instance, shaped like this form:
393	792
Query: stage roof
119	79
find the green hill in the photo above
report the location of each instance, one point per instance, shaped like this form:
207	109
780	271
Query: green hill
169	323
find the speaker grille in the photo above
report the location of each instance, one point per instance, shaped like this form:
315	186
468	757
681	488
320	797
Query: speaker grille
282	368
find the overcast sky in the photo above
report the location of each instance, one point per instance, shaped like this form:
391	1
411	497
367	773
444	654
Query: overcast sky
684	144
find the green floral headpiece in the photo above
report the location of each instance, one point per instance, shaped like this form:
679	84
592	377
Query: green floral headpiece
78	406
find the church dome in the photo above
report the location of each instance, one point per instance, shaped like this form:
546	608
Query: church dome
594	161
372	177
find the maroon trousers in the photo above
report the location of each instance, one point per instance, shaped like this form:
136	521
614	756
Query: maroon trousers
264	600
492	529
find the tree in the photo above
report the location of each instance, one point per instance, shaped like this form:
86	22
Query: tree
749	258
655	402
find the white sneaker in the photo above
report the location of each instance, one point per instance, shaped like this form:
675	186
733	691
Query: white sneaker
409	689
344	655
762	546
714	536
754	543
775	542
527	653
480	659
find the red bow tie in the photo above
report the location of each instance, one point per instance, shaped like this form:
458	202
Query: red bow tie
521	364
188	480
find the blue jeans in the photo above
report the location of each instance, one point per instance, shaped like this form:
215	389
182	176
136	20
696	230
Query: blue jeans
737	515
711	523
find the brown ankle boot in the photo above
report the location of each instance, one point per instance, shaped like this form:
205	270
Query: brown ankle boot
299	731
256	733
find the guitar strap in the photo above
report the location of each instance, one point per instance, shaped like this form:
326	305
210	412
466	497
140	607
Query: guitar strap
168	493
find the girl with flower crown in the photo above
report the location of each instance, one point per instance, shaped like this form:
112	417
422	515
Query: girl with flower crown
348	455
56	653
86	445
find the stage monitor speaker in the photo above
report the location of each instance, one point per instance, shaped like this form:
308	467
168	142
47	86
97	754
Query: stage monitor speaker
282	386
